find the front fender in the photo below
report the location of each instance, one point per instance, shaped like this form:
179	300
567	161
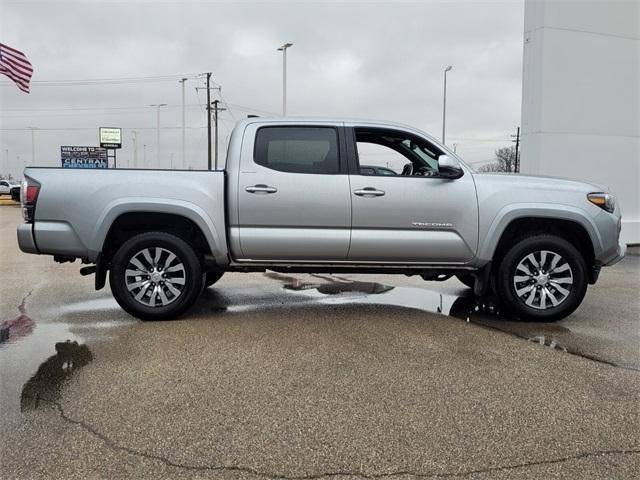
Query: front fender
193	212
509	213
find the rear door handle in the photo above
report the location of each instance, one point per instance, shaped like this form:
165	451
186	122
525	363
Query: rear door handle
369	192
261	189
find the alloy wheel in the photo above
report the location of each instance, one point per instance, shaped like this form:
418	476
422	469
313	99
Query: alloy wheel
543	279
155	277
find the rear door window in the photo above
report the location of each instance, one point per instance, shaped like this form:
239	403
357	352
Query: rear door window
298	149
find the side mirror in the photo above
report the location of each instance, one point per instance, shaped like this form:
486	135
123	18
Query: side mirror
449	167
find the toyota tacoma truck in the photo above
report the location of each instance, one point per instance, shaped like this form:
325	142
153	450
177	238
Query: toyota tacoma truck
293	198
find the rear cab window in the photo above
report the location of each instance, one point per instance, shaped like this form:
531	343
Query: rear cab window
298	149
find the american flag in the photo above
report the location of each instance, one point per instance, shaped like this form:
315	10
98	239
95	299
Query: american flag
15	65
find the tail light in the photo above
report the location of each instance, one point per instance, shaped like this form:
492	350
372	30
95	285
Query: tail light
28	198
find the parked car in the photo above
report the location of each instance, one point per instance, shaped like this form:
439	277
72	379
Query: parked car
293	199
15	193
6	187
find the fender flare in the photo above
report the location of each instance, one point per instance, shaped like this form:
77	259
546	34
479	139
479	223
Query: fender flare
515	211
182	208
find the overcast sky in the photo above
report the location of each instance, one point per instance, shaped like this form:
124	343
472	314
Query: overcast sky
380	60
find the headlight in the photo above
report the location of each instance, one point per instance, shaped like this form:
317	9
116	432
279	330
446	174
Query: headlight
606	201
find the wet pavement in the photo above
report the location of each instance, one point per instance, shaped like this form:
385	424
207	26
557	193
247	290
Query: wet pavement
311	376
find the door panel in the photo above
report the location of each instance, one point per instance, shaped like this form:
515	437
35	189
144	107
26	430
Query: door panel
418	219
293	195
308	218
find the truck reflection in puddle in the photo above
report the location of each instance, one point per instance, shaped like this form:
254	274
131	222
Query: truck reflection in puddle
483	311
46	383
342	290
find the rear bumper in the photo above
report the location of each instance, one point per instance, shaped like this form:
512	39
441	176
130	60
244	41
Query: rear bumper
26	241
50	238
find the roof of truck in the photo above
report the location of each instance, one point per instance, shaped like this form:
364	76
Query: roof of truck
348	120
337	120
340	120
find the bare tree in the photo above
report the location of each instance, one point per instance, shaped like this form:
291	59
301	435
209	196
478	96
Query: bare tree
505	161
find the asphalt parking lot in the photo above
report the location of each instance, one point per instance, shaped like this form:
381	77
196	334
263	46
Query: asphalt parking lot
275	376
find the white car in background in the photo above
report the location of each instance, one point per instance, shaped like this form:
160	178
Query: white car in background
6	186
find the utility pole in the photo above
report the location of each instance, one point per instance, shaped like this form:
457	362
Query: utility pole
516	166
182	81
144	156
208	88
135	148
216	110
208	120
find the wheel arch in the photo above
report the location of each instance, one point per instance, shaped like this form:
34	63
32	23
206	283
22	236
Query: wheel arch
565	221
126	219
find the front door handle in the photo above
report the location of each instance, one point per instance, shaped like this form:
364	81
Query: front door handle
369	192
261	189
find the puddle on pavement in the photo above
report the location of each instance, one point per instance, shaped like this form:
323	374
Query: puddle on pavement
18	327
47	348
467	307
45	384
336	291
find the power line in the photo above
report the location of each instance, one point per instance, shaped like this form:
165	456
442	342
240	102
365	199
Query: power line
479	139
64	129
104	81
97	107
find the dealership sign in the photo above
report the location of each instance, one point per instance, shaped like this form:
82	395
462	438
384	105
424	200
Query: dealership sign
84	157
110	137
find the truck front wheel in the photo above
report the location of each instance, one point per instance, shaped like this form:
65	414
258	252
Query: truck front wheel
542	278
155	276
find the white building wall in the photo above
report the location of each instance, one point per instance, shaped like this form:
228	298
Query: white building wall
580	102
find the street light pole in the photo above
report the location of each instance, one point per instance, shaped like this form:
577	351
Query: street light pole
33	145
135	148
444	102
283	49
182	81
158	105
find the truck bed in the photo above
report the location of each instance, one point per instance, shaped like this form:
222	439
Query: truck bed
76	207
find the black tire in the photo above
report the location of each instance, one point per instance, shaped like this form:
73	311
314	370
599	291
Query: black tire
187	280
547	282
467	280
212	277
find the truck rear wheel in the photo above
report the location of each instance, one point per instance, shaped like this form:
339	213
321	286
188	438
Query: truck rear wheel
542	278
155	276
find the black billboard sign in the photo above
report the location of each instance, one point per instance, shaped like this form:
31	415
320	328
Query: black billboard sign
84	157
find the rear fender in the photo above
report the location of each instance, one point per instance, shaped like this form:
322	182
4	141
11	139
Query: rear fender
189	210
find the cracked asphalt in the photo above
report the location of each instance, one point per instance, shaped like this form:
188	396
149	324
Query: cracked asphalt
305	377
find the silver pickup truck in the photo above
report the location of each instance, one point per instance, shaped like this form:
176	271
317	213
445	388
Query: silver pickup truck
294	198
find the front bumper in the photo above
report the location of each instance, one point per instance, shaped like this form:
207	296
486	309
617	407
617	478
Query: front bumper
622	250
